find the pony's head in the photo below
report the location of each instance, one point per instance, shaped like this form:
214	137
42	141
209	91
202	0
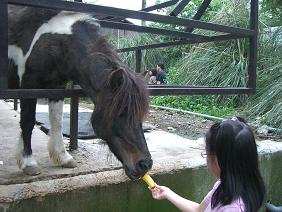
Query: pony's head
119	111
121	103
120	107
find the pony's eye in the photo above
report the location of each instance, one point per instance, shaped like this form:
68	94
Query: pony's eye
124	112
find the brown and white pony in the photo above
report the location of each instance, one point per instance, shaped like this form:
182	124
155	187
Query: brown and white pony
48	48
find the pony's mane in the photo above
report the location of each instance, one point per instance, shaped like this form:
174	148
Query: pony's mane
102	46
129	100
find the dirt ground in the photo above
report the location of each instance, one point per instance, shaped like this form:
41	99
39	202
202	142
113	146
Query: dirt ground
185	125
190	126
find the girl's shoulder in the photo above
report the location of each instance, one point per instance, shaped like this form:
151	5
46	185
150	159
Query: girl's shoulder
235	206
208	197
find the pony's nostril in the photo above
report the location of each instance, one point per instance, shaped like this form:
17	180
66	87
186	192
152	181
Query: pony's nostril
145	165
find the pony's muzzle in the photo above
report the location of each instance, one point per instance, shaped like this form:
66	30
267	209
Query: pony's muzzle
144	165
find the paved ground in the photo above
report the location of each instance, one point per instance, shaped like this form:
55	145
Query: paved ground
97	165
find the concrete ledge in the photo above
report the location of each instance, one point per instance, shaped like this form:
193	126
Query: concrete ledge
97	165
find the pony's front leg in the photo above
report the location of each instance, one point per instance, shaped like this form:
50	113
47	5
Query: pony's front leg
25	159
56	148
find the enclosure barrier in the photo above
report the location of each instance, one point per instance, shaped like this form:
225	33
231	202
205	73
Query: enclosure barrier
113	18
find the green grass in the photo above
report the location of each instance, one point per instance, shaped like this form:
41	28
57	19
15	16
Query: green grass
201	104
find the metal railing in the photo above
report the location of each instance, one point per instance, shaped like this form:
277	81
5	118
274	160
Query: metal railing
114	15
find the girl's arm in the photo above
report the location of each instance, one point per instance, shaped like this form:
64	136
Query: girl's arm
162	192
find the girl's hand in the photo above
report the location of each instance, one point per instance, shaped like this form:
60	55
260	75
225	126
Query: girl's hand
160	192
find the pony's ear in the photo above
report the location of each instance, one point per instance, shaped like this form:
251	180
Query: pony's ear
116	79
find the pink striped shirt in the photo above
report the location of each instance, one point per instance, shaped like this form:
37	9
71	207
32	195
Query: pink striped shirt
235	206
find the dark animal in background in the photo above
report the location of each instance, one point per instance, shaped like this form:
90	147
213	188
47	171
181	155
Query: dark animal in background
48	48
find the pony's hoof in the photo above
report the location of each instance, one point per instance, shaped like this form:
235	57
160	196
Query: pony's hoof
70	164
31	170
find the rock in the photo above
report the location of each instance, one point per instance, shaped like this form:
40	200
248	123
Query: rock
263	130
148	127
171	129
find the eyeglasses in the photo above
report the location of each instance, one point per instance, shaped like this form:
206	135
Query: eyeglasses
204	154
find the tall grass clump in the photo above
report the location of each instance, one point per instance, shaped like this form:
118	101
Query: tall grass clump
223	64
267	102
219	63
226	64
150	57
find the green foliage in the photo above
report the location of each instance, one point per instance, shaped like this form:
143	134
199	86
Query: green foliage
225	64
150	57
217	8
221	63
268	100
271	12
201	104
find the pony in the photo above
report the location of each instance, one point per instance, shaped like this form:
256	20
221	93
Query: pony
48	48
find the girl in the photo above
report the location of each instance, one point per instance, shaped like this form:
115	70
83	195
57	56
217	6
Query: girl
153	76
232	157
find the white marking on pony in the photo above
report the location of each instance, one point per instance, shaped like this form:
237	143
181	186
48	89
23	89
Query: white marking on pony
59	24
15	53
56	147
24	161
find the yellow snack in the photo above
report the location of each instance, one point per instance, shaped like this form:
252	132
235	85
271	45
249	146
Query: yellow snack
149	181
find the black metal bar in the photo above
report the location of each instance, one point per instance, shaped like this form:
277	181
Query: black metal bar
73	122
144	29
253	46
181	42
199	13
40	93
143	23
158	90
179	7
147	9
160	6
4	45
179	86
138	60
124	13
15	104
197	91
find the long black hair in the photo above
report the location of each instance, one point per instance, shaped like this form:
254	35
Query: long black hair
233	143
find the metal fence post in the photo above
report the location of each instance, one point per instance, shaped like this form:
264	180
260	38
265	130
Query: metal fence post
15	104
73	122
253	46
138	58
4	44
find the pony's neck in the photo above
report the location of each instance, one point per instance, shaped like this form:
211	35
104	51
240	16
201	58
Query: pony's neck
92	63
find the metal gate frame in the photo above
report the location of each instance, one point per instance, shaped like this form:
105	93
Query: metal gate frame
113	18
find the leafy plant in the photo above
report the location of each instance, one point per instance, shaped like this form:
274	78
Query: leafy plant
268	100
150	57
221	63
201	104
